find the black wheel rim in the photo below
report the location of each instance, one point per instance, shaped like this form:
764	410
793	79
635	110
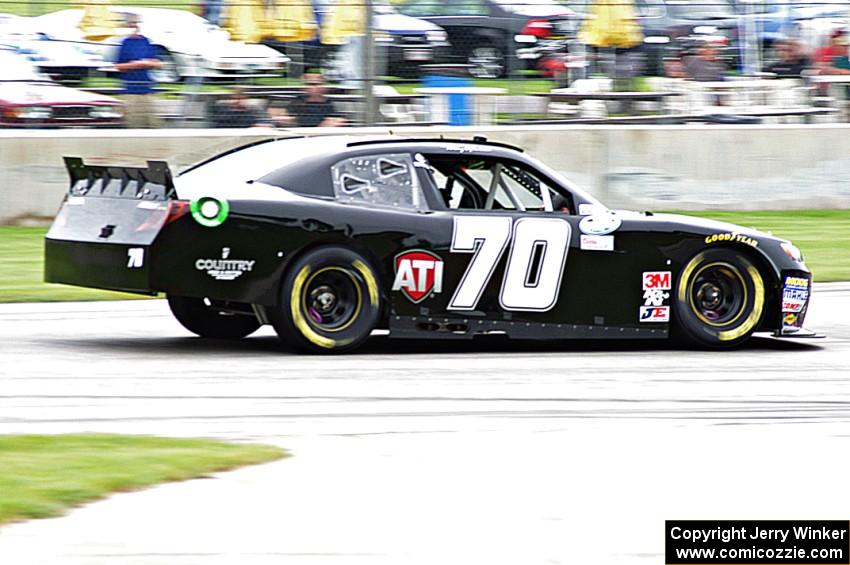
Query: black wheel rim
486	62
718	294
332	299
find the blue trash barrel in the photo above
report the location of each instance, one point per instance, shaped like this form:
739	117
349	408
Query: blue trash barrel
460	105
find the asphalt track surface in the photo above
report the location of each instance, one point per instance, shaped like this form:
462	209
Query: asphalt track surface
408	452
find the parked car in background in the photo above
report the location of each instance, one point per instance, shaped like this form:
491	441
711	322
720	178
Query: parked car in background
402	45
67	62
496	37
676	26
188	45
29	98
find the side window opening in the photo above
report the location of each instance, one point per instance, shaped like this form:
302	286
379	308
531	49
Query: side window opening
382	180
494	184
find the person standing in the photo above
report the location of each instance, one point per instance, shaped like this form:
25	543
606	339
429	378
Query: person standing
136	57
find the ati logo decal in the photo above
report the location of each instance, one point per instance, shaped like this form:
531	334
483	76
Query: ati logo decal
656	280
654	313
418	273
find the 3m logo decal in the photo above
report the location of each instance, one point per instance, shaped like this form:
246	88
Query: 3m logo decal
654	309
418	273
654	313
656	280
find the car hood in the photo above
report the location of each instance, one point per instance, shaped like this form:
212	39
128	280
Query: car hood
540	10
47	93
696	224
399	24
45	53
217	48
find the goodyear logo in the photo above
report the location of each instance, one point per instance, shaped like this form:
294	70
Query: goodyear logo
732	237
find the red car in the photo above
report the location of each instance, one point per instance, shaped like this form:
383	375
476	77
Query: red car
30	99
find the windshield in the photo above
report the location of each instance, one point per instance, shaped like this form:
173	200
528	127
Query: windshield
525	2
16	68
700	9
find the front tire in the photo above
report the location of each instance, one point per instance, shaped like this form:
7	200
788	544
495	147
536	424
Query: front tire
720	298
330	302
201	317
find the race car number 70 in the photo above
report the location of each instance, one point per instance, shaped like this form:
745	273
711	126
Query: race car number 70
535	265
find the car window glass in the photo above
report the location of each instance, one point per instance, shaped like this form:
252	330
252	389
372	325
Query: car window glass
650	8
383	180
470	8
419	8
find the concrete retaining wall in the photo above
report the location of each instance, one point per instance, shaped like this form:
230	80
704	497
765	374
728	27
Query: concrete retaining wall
639	167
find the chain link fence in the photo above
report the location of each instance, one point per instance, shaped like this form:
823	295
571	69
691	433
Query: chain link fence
284	63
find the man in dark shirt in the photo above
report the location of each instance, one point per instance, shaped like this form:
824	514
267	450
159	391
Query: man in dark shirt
704	66
136	57
791	61
311	109
237	111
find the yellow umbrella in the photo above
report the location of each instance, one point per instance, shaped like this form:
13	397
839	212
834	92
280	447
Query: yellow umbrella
291	20
345	19
244	19
611	23
99	22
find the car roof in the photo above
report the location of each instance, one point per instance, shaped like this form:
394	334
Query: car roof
302	164
260	158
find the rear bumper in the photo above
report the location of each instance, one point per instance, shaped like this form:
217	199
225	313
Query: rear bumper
108	266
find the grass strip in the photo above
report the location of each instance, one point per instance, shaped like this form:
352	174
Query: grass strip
822	235
44	475
22	279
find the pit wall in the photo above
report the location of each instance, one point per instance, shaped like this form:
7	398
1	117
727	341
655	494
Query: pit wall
780	167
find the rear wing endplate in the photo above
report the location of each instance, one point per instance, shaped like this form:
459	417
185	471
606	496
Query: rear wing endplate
153	182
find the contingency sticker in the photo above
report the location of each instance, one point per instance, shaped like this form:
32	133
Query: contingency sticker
418	274
135	258
224	269
597	242
656	286
795	294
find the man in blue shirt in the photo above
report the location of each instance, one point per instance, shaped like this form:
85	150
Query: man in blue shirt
136	57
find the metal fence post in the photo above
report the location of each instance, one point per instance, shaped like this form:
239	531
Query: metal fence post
369	66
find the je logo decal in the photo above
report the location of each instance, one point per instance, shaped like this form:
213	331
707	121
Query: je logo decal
418	273
654	308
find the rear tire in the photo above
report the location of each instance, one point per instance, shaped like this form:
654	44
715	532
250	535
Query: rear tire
720	298
206	320
330	302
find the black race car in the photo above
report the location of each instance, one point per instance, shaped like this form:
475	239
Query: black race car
330	238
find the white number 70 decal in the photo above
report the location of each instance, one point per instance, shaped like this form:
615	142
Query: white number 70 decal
535	265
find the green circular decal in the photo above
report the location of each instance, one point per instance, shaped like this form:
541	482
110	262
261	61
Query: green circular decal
210	212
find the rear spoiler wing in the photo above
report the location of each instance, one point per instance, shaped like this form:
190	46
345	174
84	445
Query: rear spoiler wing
153	182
